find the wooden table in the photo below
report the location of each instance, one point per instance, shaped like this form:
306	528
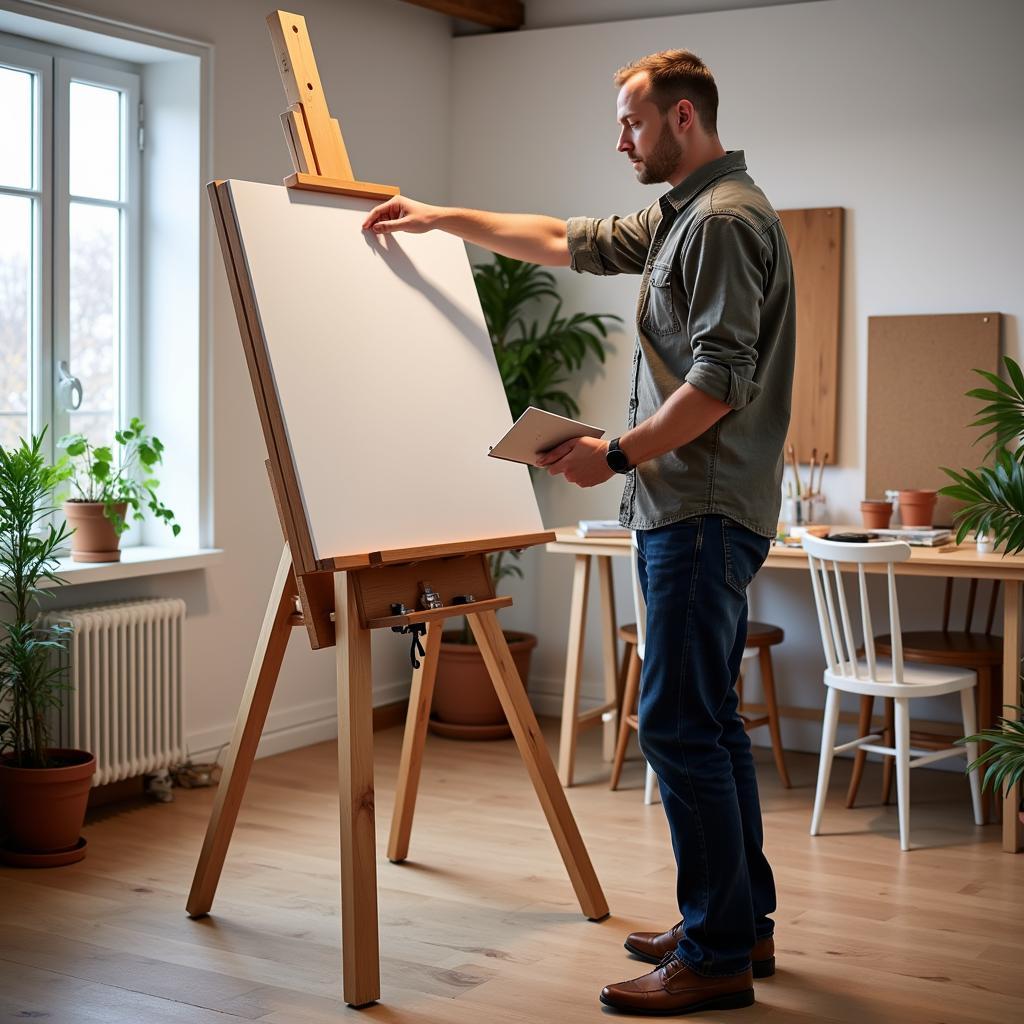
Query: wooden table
963	562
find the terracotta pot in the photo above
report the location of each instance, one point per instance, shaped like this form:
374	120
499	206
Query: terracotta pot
43	808
876	514
917	507
465	705
94	539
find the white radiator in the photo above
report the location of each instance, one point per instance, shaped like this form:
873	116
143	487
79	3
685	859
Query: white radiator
125	672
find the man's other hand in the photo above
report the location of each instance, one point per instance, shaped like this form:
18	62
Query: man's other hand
581	461
401	214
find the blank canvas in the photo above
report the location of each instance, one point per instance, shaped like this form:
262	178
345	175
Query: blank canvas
385	375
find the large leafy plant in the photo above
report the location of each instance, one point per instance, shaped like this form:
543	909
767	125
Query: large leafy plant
32	674
536	355
97	476
994	503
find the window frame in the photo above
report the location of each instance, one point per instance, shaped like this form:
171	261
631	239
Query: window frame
55	67
40	64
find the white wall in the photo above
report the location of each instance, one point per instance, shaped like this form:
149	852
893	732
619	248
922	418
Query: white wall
385	67
905	112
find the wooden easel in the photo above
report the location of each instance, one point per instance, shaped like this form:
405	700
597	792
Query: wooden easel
339	600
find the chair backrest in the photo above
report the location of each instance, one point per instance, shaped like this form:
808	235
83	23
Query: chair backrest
972	593
824	558
639	606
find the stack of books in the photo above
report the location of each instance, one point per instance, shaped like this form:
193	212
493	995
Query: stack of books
601	528
918	536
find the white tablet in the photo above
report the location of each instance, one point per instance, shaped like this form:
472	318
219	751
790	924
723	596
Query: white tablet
537	431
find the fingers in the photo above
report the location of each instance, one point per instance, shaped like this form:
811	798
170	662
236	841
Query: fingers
552	455
387	212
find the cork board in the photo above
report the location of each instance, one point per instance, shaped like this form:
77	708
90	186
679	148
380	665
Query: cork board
917	414
816	243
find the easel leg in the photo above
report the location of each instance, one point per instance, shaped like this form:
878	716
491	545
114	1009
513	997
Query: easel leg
252	715
573	670
359	942
610	650
534	753
412	745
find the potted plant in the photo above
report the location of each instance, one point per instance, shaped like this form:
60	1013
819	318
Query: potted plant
107	488
994	507
535	357
43	791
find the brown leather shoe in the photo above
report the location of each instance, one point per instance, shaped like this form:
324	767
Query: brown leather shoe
653	946
673	988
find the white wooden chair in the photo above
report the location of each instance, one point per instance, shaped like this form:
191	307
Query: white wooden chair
877	677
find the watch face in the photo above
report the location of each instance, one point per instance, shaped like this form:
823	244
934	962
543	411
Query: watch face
617	460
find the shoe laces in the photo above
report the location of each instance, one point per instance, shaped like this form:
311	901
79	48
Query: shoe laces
670	957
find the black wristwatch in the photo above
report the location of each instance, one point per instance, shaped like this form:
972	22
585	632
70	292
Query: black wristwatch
617	459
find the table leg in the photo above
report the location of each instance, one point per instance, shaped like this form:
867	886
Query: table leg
573	669
610	653
1011	696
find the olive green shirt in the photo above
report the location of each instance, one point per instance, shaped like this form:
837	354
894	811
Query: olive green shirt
717	308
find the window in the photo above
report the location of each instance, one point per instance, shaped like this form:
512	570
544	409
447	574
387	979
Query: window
69	244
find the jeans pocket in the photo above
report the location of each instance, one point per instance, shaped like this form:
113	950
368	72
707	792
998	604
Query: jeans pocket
745	552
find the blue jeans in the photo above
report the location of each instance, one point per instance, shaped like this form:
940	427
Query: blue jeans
694	576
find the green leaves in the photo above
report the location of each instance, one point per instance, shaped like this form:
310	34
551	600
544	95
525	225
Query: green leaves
1005	757
535	357
30	681
994	501
100	475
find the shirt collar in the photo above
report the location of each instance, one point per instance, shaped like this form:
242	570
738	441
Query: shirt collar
696	182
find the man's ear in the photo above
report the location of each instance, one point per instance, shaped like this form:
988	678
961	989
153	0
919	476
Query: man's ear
684	114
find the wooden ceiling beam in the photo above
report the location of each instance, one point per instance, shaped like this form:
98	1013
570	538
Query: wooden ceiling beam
505	14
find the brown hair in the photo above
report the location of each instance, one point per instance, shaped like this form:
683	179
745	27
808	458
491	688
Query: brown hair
677	75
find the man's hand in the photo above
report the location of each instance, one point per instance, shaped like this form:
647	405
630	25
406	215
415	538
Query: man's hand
401	214
581	460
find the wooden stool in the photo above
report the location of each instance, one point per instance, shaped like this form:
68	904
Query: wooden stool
981	652
761	637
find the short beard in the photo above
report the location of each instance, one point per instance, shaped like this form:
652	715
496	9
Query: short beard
664	158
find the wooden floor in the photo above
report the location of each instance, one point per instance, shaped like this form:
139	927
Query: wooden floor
481	926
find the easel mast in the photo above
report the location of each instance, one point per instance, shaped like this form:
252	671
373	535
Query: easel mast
339	600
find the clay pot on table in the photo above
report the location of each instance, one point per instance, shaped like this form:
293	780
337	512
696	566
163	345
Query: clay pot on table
876	514
917	508
94	539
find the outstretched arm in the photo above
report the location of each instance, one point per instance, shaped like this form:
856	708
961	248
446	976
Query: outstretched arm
532	238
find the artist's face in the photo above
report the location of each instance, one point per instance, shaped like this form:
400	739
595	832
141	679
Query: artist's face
646	134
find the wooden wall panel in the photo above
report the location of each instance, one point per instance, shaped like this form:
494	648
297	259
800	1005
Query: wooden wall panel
917	414
816	242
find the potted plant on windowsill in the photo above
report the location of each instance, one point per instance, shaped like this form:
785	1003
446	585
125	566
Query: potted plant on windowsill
43	790
107	488
994	497
535	358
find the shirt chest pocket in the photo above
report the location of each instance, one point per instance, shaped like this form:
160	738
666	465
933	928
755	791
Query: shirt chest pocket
660	315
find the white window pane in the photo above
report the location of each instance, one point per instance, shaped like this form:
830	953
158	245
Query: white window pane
95	169
16	128
95	308
15	315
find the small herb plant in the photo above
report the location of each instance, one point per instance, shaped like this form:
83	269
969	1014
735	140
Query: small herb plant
97	476
33	678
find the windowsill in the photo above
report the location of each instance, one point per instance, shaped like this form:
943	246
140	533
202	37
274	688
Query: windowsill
141	560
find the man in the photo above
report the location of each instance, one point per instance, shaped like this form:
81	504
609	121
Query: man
708	414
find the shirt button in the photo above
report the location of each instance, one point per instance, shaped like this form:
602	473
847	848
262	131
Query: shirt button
633	403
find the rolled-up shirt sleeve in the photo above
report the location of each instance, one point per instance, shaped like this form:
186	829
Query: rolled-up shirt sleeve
725	269
611	245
